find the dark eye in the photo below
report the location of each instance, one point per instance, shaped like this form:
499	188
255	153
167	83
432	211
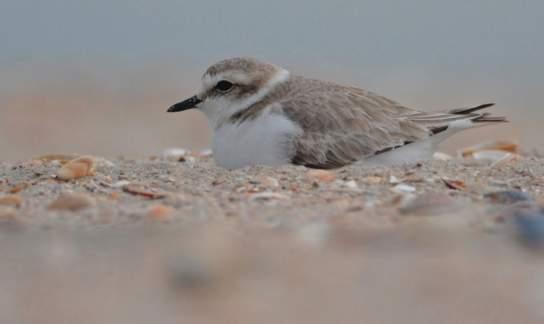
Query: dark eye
223	86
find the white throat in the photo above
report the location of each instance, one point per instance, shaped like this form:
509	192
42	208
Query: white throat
218	110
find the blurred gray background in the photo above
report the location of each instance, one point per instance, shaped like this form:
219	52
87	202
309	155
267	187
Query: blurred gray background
96	77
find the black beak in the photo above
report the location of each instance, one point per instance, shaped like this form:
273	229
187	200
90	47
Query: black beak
185	105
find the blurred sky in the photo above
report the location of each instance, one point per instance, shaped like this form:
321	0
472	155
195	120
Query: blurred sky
492	37
429	54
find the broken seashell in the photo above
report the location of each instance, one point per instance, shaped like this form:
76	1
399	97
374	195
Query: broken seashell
268	181
351	184
507	197
11	200
455	184
62	158
429	204
322	175
19	187
160	213
175	154
77	168
7	213
141	190
9	219
393	180
203	153
403	188
267	196
72	201
373	180
121	183
530	228
493	156
497	146
440	156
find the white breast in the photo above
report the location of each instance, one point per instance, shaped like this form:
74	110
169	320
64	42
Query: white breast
264	140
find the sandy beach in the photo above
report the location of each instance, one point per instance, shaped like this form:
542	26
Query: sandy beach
175	239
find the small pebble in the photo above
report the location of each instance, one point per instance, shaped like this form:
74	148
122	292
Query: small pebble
322	175
19	187
507	197
403	188
11	200
160	213
121	184
175	154
373	180
393	180
268	181
530	228
439	156
496	149
455	184
351	184
267	196
77	168
141	190
8	219
204	153
72	201
62	158
7	213
429	204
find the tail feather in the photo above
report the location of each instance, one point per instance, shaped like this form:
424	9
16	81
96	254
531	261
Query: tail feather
476	117
470	114
488	118
466	111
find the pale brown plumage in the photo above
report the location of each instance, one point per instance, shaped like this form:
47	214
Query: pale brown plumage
344	124
265	115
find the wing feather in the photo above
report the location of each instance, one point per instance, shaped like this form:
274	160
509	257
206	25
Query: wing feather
344	124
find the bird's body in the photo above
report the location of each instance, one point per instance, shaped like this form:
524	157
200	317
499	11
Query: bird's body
265	140
261	114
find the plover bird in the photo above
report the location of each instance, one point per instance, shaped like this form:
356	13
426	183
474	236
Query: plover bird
262	114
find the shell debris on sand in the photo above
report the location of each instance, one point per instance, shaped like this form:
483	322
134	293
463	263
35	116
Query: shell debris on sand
7	213
268	181
142	190
496	146
402	188
9	219
260	196
77	168
530	228
430	204
496	152
455	184
160	213
11	200
440	156
72	201
507	197
321	175
61	158
175	154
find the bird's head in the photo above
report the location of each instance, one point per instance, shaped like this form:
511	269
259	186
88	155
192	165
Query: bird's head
231	86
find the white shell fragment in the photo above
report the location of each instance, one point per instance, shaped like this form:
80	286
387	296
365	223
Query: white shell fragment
440	156
403	188
77	168
174	154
